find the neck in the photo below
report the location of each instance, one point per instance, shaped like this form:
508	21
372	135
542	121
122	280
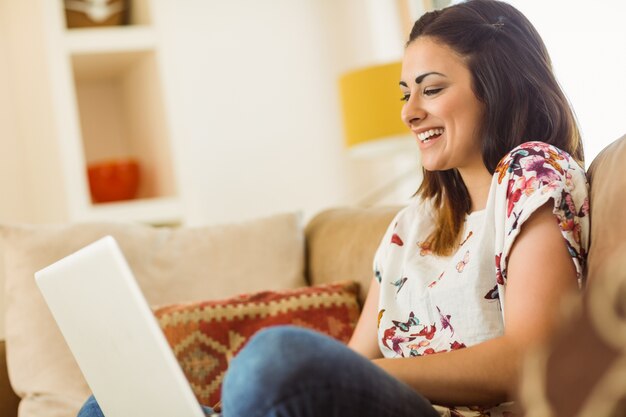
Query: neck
478	182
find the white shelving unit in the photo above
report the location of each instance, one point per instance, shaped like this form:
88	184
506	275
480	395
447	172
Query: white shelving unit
86	95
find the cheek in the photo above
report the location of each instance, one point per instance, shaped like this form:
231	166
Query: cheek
467	117
455	109
446	109
476	120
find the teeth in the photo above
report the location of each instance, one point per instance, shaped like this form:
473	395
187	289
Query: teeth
425	136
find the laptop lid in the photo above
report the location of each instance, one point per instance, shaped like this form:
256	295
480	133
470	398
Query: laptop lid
113	335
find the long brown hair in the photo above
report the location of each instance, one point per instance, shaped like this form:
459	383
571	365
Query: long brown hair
512	76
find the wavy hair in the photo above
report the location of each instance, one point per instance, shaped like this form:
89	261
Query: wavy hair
512	76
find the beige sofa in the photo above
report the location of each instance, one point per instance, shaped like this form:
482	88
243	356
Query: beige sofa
338	244
171	266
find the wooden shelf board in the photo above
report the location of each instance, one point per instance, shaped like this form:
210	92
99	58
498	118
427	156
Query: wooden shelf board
105	66
157	211
113	39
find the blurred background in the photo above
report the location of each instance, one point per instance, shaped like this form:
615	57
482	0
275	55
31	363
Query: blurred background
200	112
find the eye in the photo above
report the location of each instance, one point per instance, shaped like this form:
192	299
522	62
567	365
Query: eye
431	91
405	97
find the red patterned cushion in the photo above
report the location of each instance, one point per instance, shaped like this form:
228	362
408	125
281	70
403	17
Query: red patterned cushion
206	335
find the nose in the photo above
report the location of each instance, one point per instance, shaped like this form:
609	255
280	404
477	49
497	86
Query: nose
412	113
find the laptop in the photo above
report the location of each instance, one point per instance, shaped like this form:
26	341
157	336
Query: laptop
113	335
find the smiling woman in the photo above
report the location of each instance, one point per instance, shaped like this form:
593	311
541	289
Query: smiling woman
502	158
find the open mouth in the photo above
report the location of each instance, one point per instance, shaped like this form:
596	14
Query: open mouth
429	135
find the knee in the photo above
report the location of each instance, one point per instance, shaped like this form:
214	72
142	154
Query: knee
274	361
274	351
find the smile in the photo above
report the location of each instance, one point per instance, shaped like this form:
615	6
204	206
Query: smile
429	134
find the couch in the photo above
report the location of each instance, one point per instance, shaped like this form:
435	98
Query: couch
582	370
174	266
561	378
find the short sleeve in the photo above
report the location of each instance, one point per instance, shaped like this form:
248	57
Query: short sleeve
527	178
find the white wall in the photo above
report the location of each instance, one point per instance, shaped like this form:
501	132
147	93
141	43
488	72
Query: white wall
257	141
256	92
11	200
587	43
11	203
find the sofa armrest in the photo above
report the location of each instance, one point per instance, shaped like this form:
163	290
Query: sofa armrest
8	400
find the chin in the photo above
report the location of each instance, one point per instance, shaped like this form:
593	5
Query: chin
433	167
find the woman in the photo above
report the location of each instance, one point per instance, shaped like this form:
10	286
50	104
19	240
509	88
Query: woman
469	276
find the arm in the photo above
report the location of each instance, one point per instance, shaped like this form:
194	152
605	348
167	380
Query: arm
540	271
364	339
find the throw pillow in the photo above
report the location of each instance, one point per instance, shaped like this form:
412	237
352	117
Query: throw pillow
205	336
170	264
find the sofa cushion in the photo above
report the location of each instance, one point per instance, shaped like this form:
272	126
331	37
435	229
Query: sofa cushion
171	265
607	177
206	335
580	370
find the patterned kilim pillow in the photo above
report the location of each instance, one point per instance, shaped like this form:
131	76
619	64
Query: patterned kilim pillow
206	335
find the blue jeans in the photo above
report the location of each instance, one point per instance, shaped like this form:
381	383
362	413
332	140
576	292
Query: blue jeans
92	409
288	371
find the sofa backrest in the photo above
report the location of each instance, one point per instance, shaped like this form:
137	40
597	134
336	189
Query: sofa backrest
340	244
607	178
580	370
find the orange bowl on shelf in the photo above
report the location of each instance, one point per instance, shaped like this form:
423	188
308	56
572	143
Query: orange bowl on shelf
113	180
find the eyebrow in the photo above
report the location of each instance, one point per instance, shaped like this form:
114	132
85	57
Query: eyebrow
420	78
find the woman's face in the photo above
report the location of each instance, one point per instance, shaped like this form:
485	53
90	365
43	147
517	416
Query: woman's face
440	107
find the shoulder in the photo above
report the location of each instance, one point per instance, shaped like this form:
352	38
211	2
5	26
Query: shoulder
528	177
545	162
538	166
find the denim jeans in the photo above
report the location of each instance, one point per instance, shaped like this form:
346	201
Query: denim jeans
92	409
287	371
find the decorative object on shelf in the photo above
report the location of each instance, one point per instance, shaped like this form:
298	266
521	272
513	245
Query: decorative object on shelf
113	180
92	13
373	127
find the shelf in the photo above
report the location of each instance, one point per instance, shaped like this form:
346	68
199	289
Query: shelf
122	116
115	39
97	93
155	211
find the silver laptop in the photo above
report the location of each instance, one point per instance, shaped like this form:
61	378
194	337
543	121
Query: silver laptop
114	336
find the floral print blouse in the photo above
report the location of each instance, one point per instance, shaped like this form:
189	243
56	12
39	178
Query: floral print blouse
430	304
